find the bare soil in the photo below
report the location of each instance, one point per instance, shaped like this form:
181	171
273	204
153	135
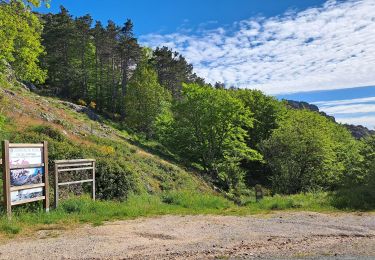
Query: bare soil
301	235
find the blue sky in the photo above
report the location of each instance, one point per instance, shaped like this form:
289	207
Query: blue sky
317	51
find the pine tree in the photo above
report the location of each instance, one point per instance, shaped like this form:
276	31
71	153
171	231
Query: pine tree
130	53
173	70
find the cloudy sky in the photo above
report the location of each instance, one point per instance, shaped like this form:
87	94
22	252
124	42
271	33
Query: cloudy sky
317	51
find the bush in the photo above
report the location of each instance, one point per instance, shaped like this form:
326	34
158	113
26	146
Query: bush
360	198
114	180
92	105
49	131
81	102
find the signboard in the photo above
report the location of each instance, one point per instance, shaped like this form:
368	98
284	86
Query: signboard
25	174
25	156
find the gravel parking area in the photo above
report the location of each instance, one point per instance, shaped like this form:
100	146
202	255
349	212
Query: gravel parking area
301	235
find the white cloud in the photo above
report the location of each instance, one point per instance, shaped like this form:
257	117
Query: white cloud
350	109
344	101
330	47
357	111
368	121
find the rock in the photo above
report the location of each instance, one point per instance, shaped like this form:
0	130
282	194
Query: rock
82	109
359	131
29	86
9	92
47	117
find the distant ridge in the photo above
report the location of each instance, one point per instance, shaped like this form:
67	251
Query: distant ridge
358	131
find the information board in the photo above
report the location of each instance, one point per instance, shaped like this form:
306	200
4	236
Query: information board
25	174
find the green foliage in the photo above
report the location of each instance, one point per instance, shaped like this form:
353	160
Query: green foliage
49	131
308	151
114	179
2	123
173	70
21	41
10	227
308	201
358	189
145	99
359	197
267	112
208	128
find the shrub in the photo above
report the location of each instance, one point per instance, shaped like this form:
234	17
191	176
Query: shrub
92	105
114	180
49	131
107	150
81	102
360	198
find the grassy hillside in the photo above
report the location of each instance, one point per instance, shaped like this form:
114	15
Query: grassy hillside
134	177
72	135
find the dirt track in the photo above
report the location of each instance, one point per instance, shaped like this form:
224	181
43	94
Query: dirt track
284	235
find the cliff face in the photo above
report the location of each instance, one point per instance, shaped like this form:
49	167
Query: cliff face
358	131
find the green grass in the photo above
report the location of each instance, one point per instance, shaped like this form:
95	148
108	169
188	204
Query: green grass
75	211
308	201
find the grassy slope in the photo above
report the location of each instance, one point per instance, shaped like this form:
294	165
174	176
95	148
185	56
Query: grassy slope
28	115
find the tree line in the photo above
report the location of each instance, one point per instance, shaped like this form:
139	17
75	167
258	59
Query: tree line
236	137
95	63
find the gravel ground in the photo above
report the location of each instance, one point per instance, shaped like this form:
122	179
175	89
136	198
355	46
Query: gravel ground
302	235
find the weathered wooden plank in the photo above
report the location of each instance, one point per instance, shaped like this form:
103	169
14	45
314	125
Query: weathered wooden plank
6	179
74	182
73	161
27	187
56	195
75	169
28	200
74	165
45	178
93	181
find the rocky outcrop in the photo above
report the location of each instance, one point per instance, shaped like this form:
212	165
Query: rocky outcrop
82	109
358	131
304	105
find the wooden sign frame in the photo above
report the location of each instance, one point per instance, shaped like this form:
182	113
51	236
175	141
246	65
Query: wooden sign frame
7	170
77	165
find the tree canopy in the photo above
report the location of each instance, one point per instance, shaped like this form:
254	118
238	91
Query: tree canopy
308	152
20	39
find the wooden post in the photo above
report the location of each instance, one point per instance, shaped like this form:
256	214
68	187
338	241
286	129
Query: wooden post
45	179
93	180
6	179
56	200
258	193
